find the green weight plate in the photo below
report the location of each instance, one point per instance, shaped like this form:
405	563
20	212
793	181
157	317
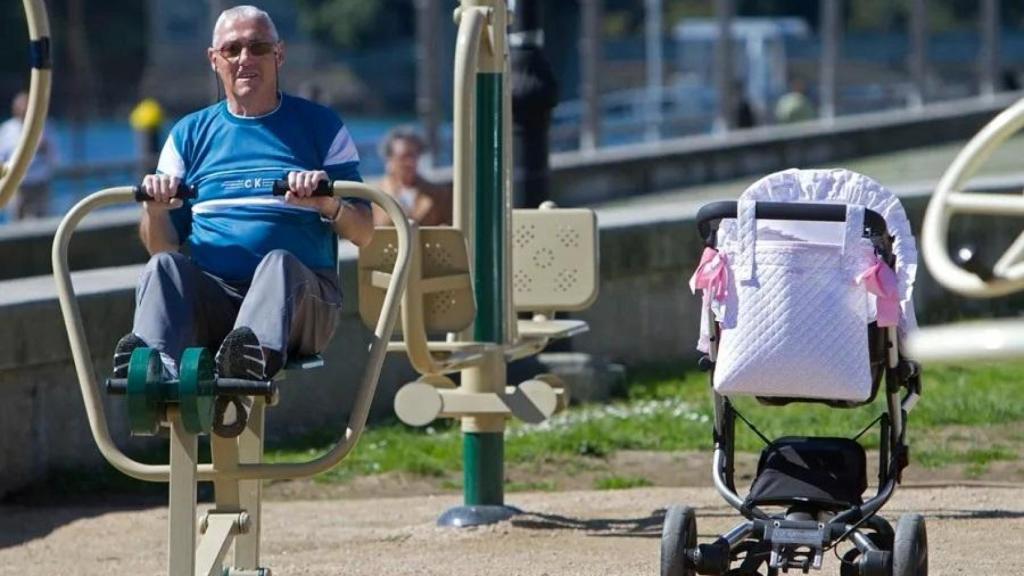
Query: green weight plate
195	390
144	401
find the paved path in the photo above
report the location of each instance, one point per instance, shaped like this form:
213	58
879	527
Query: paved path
970	531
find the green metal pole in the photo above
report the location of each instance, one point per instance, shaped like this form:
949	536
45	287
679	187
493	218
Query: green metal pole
490	217
483	452
483	469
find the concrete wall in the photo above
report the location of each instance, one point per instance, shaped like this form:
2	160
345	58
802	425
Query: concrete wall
644	314
610	173
109	238
106	238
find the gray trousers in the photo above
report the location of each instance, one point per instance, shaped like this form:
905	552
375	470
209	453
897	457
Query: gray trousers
291	309
30	201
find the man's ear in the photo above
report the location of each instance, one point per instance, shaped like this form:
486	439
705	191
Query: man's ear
279	54
211	57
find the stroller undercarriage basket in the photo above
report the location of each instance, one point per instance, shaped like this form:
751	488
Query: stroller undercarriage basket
826	472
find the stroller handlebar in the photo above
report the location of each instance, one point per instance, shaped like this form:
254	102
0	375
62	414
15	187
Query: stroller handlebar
805	211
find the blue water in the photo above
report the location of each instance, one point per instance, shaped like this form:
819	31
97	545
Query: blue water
114	141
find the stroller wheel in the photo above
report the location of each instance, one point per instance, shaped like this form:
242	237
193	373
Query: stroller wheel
910	547
678	534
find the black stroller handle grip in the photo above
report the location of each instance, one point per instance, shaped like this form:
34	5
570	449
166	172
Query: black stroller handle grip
805	211
323	188
184	192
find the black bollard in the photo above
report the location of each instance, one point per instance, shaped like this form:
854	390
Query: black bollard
534	95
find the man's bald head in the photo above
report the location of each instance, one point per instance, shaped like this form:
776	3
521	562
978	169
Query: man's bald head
245	12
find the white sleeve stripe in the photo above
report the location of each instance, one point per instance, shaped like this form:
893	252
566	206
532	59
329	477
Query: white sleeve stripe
342	150
170	162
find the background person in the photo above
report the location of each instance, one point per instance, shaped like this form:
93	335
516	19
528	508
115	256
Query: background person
794	106
424	202
32	199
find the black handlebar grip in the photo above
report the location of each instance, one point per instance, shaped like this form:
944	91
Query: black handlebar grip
242	387
117	386
184	192
323	188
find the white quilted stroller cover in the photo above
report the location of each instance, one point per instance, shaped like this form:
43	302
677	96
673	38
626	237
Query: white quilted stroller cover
792	299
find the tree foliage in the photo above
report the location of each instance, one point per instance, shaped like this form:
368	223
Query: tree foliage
115	32
357	24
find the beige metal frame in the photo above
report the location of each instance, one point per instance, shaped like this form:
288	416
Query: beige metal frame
12	173
948	200
555	269
236	469
557	250
987	340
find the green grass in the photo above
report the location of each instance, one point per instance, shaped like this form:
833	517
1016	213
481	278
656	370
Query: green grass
669	409
976	457
665	408
387	448
537	486
620	482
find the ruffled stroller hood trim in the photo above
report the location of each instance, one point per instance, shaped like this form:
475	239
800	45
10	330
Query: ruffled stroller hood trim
844	186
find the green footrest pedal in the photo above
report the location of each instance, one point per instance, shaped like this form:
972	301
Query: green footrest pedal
194	392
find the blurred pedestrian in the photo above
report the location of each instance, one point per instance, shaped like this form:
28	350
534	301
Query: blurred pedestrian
745	117
424	202
32	199
794	106
147	119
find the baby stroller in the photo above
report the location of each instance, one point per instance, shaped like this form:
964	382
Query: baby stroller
807	283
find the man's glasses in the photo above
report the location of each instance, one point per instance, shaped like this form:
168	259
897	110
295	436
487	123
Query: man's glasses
232	50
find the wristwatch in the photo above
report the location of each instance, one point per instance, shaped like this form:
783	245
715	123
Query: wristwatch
337	213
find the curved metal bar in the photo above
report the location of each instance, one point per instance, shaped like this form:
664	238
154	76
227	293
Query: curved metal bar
731	497
12	173
79	345
467	51
989	340
205	472
947	200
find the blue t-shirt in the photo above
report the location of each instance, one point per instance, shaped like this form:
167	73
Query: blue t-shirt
235	219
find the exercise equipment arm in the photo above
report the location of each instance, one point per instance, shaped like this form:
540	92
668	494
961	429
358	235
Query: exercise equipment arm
86	371
38	100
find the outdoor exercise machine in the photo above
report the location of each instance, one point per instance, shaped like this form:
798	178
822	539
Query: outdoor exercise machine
989	340
470	282
14	170
185	407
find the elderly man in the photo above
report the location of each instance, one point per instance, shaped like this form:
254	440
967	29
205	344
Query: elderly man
260	280
33	197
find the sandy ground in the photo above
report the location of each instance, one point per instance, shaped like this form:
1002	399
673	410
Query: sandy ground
972	530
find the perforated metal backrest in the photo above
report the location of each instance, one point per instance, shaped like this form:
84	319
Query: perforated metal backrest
554	259
439	278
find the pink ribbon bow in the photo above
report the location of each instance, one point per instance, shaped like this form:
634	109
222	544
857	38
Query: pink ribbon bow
880	280
712	275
